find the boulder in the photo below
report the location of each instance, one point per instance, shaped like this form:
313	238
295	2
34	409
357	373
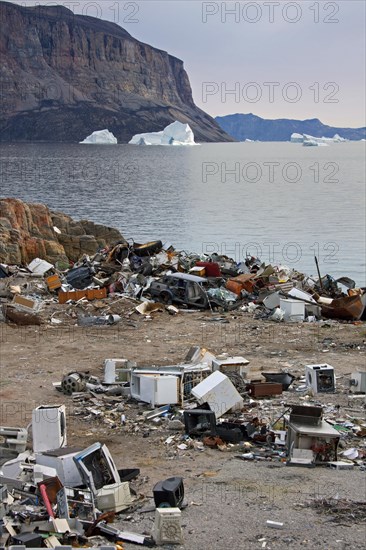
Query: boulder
29	231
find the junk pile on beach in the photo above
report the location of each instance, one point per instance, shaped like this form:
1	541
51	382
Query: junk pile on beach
154	276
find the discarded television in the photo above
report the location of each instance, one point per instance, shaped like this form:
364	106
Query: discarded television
97	467
169	493
100	474
199	421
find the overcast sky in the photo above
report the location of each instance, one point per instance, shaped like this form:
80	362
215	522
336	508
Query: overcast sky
276	59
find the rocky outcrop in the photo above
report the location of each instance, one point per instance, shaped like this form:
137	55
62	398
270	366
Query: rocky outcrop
64	76
29	231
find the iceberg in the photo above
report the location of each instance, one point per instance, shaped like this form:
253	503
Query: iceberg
311	141
314	143
176	133
101	137
296	138
153	138
337	138
323	140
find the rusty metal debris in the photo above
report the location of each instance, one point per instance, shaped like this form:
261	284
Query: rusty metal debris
150	272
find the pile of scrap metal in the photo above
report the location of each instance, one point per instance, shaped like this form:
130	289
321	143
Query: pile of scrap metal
55	495
159	385
297	435
224	402
156	272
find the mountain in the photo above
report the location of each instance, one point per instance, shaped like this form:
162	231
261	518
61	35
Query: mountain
250	126
64	76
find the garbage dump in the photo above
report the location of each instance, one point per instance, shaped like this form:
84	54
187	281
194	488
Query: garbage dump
144	274
54	494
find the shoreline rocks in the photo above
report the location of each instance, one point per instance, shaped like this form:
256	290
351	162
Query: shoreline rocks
29	231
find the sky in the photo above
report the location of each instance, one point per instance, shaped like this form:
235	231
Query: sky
274	58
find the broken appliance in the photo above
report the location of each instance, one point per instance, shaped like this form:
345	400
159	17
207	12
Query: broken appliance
283	378
114	498
231	365
48	427
294	310
167	528
167	393
100	474
27	540
307	431
76	503
62	460
154	389
169	492
13	438
358	382
320	378
117	371
199	422
219	392
264	389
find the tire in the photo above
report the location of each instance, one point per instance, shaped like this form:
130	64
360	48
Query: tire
165	298
147	249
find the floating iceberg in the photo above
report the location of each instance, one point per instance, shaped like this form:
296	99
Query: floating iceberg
176	133
338	138
311	141
153	138
296	138
101	137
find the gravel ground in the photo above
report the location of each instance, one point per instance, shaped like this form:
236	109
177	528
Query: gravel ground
229	500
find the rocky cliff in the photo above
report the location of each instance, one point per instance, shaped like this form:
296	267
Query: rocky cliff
29	231
64	76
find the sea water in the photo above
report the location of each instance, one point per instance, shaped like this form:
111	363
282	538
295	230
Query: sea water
282	202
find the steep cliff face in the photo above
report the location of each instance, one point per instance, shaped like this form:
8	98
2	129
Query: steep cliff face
64	76
27	231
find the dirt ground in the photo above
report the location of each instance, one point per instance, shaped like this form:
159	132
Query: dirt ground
229	500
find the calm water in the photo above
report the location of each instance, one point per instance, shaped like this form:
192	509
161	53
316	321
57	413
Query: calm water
280	201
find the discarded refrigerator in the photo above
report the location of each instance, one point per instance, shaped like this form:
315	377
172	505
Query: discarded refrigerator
155	389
